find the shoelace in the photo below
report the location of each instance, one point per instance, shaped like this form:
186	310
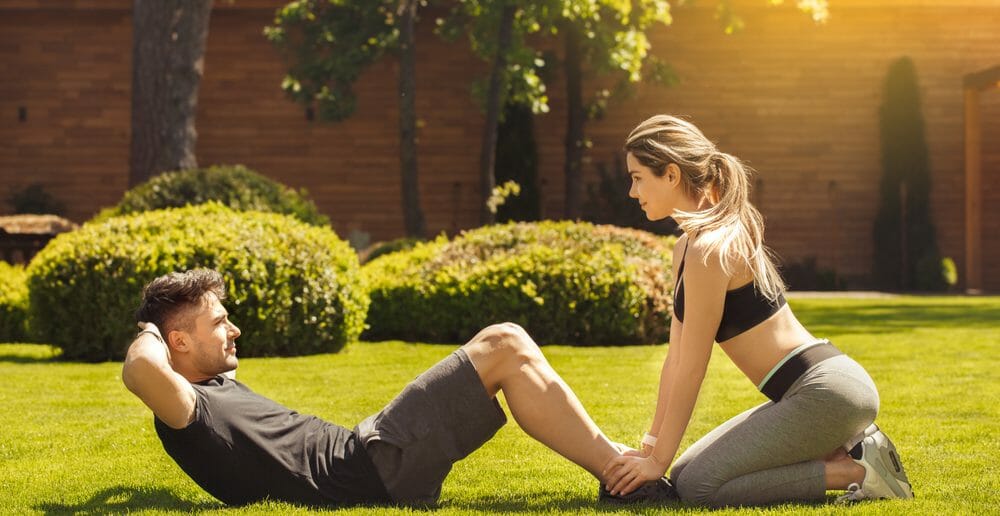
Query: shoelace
854	493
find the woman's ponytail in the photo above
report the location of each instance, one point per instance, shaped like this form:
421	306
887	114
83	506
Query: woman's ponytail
731	227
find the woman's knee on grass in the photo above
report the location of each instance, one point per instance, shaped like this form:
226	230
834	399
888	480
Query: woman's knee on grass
696	484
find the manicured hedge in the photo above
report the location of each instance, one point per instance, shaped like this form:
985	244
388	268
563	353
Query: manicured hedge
13	303
392	246
232	185
565	282
293	288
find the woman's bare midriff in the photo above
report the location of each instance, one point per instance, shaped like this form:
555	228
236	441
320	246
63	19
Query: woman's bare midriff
758	349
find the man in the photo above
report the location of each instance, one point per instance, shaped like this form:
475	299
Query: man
242	447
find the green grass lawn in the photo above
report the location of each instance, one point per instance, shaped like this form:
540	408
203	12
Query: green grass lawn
73	440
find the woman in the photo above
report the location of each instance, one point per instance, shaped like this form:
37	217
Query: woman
817	432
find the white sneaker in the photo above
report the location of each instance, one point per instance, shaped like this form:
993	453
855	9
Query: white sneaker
884	473
849	445
853	494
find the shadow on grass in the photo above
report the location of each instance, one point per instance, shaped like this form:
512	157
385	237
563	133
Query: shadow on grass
895	318
123	499
590	504
548	504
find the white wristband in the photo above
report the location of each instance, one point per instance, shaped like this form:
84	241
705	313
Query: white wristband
648	440
151	332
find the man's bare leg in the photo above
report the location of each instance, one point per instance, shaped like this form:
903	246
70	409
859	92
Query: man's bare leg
508	360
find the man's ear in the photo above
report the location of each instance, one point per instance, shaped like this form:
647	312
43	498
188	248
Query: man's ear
178	340
673	174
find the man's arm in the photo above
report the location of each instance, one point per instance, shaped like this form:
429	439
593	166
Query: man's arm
148	374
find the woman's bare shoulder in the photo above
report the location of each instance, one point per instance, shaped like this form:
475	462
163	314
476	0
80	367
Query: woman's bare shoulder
708	258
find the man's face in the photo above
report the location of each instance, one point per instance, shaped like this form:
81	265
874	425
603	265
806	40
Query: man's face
213	338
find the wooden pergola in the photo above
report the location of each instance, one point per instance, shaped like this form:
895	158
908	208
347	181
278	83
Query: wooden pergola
975	84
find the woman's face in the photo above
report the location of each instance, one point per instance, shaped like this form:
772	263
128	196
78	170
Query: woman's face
658	196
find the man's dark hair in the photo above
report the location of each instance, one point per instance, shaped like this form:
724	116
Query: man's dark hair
166	297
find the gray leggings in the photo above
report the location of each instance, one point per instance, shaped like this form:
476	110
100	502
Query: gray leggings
773	452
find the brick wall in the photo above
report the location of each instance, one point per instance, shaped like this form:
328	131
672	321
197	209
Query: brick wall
69	71
798	101
990	101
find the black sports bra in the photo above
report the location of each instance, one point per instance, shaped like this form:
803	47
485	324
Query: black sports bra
744	307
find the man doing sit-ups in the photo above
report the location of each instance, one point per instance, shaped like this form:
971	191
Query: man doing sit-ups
242	447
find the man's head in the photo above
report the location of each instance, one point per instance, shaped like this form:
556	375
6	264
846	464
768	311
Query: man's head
187	309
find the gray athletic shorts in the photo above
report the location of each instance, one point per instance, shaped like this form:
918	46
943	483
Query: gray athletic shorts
439	418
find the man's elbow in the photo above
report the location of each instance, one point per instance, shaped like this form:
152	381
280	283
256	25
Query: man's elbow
128	375
132	370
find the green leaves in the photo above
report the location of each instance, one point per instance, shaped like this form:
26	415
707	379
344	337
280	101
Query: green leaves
327	44
565	282
294	288
732	22
232	185
13	303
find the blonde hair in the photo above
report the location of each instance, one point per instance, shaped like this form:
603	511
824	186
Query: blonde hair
732	227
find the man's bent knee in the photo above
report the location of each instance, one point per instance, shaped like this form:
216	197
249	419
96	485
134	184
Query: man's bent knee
508	339
502	346
499	351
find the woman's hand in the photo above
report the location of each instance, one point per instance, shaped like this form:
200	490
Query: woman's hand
626	473
624	449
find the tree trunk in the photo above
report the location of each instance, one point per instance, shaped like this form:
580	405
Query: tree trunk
413	216
487	154
575	120
168	50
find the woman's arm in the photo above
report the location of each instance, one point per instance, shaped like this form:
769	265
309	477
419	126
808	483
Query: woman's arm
666	375
675	336
687	359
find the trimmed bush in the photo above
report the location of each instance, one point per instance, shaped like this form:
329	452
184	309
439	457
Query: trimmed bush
392	246
565	282
905	246
13	303
232	185
293	288
937	274
808	275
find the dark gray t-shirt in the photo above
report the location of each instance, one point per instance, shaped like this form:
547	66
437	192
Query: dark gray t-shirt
242	447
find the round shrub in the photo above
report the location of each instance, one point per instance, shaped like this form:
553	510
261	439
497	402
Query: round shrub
232	185
293	288
13	303
565	282
393	246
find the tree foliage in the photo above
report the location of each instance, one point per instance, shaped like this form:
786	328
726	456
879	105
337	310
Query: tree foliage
517	160
732	22
327	45
614	40
610	36
329	42
905	246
